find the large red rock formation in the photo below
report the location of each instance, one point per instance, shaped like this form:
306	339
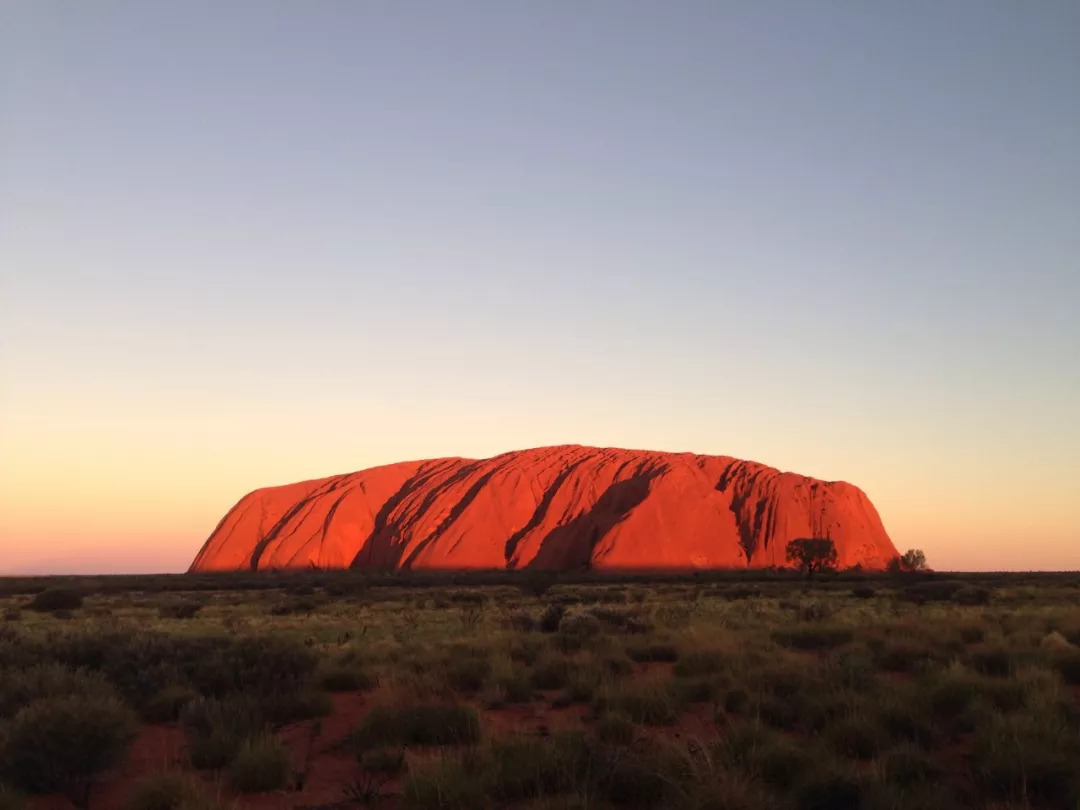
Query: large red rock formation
556	507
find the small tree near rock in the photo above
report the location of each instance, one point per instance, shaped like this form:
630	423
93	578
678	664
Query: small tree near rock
913	560
812	554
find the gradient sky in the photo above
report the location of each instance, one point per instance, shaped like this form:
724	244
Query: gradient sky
248	243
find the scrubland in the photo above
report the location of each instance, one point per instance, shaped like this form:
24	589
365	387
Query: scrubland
708	692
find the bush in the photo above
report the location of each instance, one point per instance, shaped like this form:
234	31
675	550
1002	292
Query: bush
521	621
61	744
252	664
343	677
423	724
1027	759
908	765
522	767
551	617
576	630
448	783
826	789
615	729
168	791
1068	664
389	761
167	705
972	595
293	607
810	639
700	662
217	728
261	764
12	615
647	703
54	599
20	687
550	672
467	673
856	738
652	651
863	592
179	610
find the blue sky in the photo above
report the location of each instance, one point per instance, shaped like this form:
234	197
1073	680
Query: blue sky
246	243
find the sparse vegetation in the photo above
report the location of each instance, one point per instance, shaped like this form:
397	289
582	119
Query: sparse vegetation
763	690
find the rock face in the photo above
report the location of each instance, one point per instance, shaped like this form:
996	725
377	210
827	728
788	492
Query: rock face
565	507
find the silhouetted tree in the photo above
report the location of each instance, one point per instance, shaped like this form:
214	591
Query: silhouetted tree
812	554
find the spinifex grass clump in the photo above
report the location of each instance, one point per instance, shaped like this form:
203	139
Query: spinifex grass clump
422	724
261	763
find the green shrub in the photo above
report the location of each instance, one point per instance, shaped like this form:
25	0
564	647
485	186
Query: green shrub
343	677
856	738
972	633
61	744
523	767
54	599
217	728
756	750
512	688
521	621
646	703
903	721
615	729
700	662
685	691
909	765
812	638
551	618
972	595
828	789
20	687
389	761
582	682
652	651
261	764
179	610
1068	664
576	630
996	662
167	705
422	724
1027	758
252	664
168	791
467	673
550	672
294	607
903	656
447	783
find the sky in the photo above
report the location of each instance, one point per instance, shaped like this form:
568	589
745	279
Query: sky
249	243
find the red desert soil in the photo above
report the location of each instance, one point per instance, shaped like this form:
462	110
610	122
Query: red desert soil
567	507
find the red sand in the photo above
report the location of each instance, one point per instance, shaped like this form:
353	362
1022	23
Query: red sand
566	507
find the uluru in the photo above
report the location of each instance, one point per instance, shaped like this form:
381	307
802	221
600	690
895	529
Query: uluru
559	508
